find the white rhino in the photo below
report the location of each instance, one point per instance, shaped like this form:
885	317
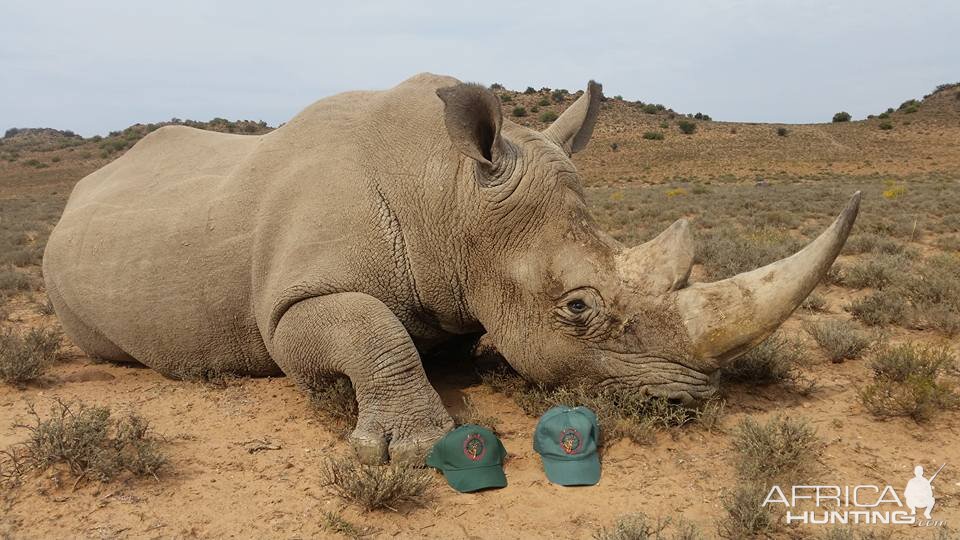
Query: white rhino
374	224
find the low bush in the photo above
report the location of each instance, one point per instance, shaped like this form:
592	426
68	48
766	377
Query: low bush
774	360
841	116
814	302
746	517
780	450
782	131
653	136
687	127
89	442
335	399
909	381
880	308
877	272
548	116
12	280
519	112
25	356
841	340
375	487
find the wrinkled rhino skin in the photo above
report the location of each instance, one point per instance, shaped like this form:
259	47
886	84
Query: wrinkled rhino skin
376	223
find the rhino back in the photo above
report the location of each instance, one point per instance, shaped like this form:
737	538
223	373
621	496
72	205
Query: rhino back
187	251
152	252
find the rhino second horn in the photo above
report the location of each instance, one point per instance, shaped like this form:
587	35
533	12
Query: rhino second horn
726	318
662	264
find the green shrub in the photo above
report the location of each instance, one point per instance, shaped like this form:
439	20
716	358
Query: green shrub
883	115
841	340
519	111
530	90
687	127
544	102
841	116
548	116
908	382
879	308
886	126
506	98
653	136
664	125
908	104
650	108
877	272
782	131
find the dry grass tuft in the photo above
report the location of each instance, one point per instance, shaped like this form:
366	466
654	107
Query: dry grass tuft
621	413
637	526
783	451
337	524
336	400
88	441
24	357
471	414
774	361
746	516
375	487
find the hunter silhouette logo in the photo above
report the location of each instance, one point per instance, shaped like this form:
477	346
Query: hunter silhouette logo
864	504
474	447
919	491
571	441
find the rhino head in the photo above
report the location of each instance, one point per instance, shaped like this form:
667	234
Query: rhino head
563	302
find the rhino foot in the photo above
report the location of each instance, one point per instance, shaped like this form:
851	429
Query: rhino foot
397	440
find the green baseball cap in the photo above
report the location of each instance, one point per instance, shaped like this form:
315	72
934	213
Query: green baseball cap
471	458
566	439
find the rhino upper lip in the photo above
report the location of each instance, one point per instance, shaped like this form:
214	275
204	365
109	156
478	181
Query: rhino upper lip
646	370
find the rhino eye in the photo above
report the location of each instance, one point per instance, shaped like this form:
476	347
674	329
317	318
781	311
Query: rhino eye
577	306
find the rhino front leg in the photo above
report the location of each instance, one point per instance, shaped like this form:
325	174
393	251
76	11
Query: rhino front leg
400	414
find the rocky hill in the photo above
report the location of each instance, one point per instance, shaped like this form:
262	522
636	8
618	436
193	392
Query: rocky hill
634	142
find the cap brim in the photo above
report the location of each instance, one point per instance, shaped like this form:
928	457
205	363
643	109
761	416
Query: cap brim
566	472
475	479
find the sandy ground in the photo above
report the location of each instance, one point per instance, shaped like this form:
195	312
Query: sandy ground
216	486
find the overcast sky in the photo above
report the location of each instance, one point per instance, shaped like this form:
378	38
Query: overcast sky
99	66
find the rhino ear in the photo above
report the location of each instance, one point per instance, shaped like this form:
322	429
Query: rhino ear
573	129
473	119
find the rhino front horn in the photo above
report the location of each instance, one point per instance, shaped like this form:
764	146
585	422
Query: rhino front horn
726	318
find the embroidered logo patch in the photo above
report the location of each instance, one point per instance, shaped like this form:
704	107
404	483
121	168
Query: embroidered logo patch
474	447
571	441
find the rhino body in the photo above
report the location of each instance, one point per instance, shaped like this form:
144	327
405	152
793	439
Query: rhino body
375	224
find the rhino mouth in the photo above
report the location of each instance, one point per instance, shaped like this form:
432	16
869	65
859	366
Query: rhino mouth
657	377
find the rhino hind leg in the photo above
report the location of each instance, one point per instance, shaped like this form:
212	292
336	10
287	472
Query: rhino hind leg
354	334
89	339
